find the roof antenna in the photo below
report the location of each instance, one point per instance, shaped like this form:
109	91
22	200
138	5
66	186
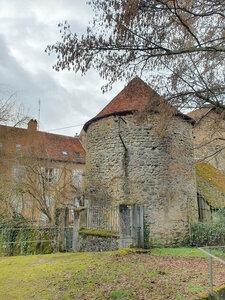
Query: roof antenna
39	113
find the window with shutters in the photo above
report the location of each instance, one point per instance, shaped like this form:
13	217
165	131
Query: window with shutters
48	200
77	177
49	175
18	173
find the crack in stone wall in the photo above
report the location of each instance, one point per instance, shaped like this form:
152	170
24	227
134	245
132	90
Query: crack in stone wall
155	170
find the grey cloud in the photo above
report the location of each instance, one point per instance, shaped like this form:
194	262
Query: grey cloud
26	27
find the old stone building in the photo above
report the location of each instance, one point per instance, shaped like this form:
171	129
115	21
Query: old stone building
209	150
209	136
140	150
137	152
210	190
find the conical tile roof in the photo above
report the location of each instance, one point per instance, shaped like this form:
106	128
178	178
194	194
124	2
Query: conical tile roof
133	97
136	96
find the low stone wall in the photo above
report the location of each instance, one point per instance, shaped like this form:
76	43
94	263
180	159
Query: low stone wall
98	241
219	294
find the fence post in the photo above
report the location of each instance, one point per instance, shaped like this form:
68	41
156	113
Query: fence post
60	229
210	273
131	223
138	228
76	227
66	224
125	226
56	244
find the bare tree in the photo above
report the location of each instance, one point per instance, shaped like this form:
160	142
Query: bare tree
10	113
45	187
31	183
177	45
6	196
14	115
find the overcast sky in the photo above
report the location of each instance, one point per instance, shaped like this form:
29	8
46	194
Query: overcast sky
67	99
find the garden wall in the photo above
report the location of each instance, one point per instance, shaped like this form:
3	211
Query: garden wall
219	294
97	241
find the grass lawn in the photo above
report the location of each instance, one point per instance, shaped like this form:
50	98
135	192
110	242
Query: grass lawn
162	274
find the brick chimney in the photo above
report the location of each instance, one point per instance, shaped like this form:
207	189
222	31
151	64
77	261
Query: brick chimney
32	125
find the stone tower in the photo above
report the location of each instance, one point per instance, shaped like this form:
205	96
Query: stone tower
140	150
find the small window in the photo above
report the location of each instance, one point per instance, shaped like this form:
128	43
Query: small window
64	153
56	175
78	155
18	173
49	175
17	203
18	146
48	201
77	178
28	204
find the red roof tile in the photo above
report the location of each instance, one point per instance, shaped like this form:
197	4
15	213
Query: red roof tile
42	144
55	144
136	96
133	97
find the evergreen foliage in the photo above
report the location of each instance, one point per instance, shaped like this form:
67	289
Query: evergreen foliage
208	233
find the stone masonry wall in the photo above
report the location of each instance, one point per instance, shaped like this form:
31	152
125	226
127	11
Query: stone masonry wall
95	243
209	135
145	162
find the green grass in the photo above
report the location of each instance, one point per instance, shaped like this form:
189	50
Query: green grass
184	252
122	275
22	275
120	294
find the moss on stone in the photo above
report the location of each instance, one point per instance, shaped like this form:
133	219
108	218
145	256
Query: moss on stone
211	175
101	233
208	194
125	251
204	296
81	208
218	293
128	203
211	184
221	288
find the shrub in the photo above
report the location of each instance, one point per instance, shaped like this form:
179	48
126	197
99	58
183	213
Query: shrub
208	233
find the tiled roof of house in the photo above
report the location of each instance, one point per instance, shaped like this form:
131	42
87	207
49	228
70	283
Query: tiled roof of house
211	184
41	144
199	113
136	96
56	146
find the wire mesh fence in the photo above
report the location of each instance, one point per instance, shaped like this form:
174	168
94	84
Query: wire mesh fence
42	239
32	240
